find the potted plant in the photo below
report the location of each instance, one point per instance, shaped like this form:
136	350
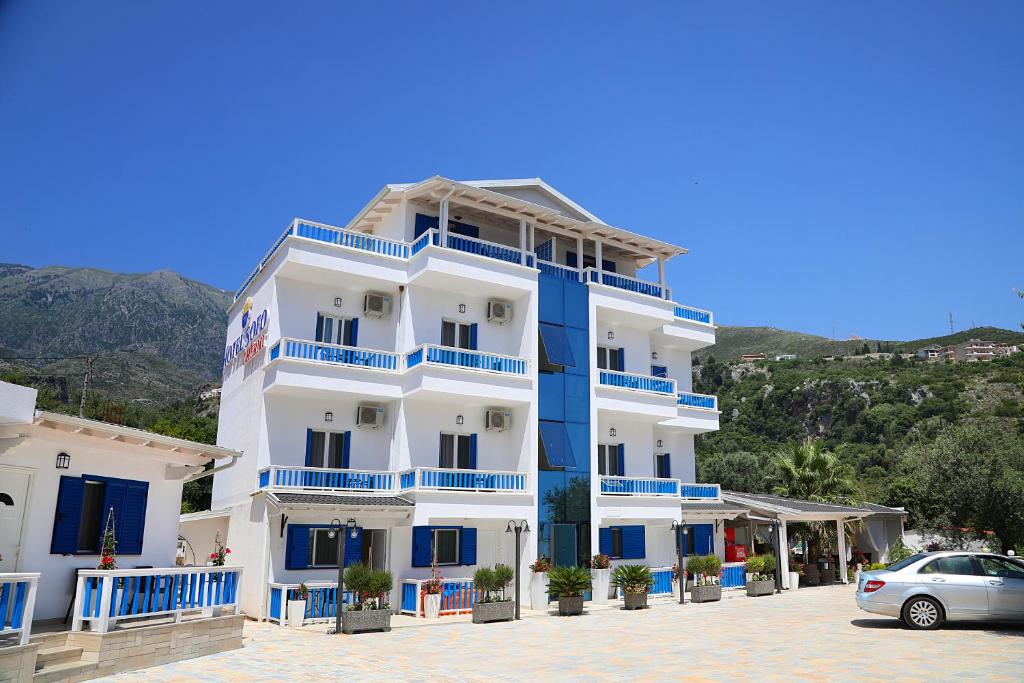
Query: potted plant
539	569
676	584
635	581
297	606
494	606
600	571
760	575
431	590
707	571
569	584
370	611
795	570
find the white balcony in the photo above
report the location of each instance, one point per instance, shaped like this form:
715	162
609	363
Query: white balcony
383	482
306	367
477	376
644	397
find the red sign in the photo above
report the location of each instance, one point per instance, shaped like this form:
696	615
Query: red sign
254	347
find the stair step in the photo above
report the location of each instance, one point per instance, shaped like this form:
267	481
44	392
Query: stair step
63	671
49	640
55	655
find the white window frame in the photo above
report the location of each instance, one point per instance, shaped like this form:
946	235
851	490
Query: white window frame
313	533
459	325
339	322
325	456
433	546
608	462
455	453
607	356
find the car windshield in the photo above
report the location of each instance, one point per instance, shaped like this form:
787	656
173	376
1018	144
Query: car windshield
896	566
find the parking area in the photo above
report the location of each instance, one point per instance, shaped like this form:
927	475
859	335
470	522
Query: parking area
812	634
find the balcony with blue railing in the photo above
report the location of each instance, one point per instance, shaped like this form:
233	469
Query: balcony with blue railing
700	492
695	315
472	481
639	486
480	361
472	245
628	283
335	354
687	399
319	479
457	596
17	604
281	478
320	602
634	382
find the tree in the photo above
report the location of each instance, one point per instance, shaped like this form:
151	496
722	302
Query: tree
967	483
806	470
737	471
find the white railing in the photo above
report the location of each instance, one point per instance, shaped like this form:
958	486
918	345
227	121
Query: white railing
482	361
326	479
352	239
335	354
17	604
634	382
628	283
444	479
320	603
457	596
639	486
105	596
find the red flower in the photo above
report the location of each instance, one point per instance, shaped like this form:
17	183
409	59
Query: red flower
227	550
213	556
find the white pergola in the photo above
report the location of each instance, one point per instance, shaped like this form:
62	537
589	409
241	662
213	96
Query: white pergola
785	510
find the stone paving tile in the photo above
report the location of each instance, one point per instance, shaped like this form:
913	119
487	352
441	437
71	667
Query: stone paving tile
815	634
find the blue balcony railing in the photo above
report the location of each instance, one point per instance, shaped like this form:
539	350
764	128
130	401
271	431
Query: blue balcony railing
443	479
694	314
626	282
320	602
334	354
662	581
734	576
470	360
558	270
625	380
326	479
499	252
457	596
351	239
700	491
690	400
639	486
17	604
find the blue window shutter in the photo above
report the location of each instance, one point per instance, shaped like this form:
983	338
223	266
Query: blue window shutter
668	466
472	337
604	541
467	545
556	345
68	516
354	547
703	538
319	328
422	540
309	447
354	332
633	542
659	370
113	499
424	223
621	457
296	554
621	360
133	518
472	451
345	450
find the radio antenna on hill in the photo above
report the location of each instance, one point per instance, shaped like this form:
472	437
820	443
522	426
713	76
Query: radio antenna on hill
951	322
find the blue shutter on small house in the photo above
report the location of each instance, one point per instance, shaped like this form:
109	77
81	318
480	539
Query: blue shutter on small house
422	540
67	518
133	518
703	538
353	332
309	447
296	554
346	450
467	545
472	337
472	451
604	541
620	458
354	546
633	542
113	503
659	370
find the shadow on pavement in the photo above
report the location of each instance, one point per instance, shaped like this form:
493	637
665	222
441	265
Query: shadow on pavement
997	628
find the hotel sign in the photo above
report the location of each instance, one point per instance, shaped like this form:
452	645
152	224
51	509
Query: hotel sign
252	340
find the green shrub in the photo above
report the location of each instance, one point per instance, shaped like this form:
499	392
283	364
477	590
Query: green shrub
370	586
712	565
633	579
492	580
569	581
754	564
876	565
769	564
695	565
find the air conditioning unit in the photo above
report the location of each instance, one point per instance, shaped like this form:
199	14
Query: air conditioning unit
499	312
371	417
376	305
499	419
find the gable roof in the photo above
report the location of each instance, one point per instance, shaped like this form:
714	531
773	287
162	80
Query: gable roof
793	506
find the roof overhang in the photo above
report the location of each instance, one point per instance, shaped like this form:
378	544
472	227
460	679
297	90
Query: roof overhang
340	502
792	512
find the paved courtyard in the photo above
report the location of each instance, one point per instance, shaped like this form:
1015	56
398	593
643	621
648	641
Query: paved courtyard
813	634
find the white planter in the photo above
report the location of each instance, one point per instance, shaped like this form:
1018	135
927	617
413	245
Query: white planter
431	606
539	591
794	580
602	579
296	613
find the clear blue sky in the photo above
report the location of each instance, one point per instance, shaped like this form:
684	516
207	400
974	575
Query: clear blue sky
856	165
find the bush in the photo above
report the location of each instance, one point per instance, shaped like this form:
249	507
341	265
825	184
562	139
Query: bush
600	561
492	580
633	579
369	586
754	564
569	582
876	565
712	565
695	564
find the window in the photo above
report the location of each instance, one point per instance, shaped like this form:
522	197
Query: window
332	329
608	460
456	335
960	565
327	449
907	562
323	550
446	546
662	466
995	566
456	451
91	521
609	358
616	542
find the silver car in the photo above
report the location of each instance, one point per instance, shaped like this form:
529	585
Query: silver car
929	588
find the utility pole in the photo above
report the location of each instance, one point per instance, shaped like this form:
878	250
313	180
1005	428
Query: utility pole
951	322
85	385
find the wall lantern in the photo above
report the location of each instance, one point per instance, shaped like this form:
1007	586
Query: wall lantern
459	419
612	432
611	335
63	461
337	302
660	443
654	356
328	416
462	308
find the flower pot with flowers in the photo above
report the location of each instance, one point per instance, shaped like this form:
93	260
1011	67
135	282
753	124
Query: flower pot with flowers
569	584
675	580
493	606
706	570
297	606
108	544
635	581
371	610
431	591
761	575
539	569
600	570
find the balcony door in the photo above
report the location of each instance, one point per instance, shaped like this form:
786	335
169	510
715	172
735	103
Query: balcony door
327	449
609	358
458	335
457	451
610	460
332	329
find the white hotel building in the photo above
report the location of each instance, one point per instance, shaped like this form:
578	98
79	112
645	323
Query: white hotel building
460	355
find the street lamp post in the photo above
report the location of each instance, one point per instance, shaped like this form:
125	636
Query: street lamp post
678	527
519	528
338	529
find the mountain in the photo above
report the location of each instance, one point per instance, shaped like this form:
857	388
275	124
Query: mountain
732	342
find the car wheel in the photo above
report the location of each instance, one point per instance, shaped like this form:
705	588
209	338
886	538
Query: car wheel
922	613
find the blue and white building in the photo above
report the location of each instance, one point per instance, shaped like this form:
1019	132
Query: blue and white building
458	355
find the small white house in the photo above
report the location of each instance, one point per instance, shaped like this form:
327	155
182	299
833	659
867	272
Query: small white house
60	476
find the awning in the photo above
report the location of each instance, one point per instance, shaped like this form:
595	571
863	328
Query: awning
555	446
556	345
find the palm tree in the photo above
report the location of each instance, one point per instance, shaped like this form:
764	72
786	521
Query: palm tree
806	470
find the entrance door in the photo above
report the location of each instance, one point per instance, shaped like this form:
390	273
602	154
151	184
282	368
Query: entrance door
14	485
375	543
